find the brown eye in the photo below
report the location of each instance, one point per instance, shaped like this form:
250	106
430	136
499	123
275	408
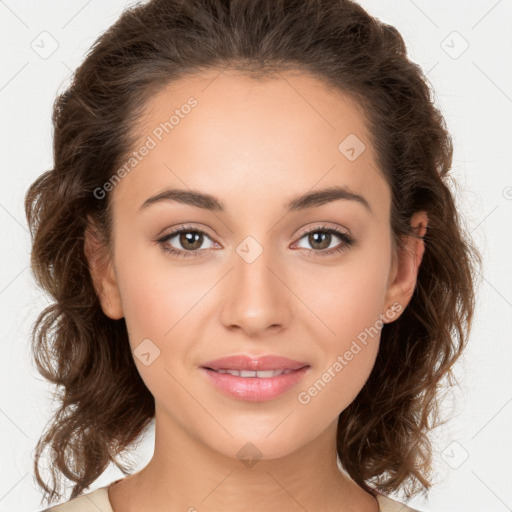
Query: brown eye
184	240
191	240
321	239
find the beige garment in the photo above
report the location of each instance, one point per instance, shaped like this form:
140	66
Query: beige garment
97	501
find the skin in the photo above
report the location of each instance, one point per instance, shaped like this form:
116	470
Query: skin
255	145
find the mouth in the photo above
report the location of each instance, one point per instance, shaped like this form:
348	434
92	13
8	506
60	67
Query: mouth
260	374
254	385
243	362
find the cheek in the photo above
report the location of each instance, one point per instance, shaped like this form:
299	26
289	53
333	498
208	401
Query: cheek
347	297
348	302
158	304
156	293
163	302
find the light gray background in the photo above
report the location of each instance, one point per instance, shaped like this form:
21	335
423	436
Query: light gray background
473	89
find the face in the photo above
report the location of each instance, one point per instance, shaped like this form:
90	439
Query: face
254	270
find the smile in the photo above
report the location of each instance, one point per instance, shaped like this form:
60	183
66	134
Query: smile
254	385
261	374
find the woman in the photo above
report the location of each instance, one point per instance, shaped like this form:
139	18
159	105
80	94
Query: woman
249	237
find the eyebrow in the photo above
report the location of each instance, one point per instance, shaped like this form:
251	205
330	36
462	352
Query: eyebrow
209	202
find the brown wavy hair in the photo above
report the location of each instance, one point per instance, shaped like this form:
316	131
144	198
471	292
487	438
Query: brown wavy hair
104	406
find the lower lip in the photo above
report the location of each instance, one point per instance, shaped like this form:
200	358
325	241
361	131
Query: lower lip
255	389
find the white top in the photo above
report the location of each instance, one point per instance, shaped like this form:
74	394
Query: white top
98	501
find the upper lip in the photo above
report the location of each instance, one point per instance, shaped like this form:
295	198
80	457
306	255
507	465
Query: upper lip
244	362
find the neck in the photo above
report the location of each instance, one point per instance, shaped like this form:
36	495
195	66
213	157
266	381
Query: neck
184	474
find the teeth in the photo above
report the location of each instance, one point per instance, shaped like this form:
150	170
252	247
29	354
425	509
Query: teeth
262	374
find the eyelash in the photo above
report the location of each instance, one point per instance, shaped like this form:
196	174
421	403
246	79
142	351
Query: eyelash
347	240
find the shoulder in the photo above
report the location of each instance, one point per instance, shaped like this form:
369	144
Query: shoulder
387	504
90	502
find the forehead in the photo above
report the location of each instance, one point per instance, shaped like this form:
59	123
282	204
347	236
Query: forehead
278	136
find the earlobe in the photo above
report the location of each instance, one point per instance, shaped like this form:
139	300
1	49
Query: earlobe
406	264
102	274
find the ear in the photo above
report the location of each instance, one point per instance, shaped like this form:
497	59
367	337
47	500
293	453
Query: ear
102	273
406	263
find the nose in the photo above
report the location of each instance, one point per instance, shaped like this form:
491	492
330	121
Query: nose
256	294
